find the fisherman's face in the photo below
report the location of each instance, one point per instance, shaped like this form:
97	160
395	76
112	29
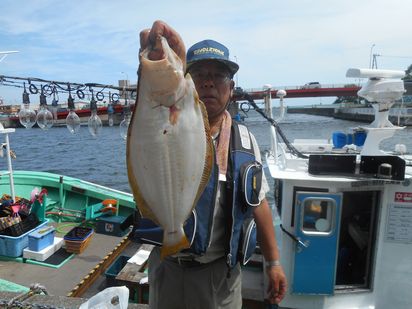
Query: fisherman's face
213	85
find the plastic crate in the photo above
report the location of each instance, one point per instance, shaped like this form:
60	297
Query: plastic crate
27	224
13	246
41	238
77	239
78	233
114	269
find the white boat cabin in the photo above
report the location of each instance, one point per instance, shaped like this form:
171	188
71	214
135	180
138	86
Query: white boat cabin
346	212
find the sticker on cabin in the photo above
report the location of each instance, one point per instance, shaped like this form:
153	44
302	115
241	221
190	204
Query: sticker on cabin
403	197
399	223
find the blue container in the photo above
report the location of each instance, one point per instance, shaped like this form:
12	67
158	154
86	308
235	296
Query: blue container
359	138
114	269
339	139
78	233
14	246
41	238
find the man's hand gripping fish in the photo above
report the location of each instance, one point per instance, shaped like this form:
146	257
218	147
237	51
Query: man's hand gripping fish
169	148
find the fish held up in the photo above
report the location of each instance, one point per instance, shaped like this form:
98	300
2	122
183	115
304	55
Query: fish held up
169	147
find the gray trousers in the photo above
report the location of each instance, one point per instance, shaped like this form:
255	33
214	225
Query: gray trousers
172	286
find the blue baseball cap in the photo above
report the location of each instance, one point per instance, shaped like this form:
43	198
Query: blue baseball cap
210	50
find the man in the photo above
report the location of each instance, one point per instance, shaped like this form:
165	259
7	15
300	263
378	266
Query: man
206	281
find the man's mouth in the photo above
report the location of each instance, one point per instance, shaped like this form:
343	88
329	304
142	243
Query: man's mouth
208	97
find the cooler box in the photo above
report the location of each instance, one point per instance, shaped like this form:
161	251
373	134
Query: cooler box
41	238
45	253
113	225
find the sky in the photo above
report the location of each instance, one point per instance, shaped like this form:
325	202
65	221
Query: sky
281	43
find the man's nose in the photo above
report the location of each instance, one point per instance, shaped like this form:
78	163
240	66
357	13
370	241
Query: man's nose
208	80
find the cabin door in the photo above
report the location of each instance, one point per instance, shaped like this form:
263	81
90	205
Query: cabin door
317	217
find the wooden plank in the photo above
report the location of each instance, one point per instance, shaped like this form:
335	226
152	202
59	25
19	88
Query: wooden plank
90	278
133	272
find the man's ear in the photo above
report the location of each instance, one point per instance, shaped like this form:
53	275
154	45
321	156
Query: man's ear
232	86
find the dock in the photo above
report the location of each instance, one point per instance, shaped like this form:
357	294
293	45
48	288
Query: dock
401	116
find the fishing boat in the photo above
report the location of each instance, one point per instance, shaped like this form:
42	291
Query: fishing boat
71	269
344	207
63	240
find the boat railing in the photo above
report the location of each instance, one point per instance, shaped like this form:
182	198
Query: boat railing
8	156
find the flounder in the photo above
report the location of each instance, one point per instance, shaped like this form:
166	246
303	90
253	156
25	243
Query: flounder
169	147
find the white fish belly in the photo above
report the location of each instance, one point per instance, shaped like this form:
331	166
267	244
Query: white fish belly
169	159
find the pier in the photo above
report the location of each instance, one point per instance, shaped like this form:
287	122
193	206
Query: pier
400	114
397	115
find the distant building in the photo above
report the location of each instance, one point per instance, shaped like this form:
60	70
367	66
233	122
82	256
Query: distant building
9	109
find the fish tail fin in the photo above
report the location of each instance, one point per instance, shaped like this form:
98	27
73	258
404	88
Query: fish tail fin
175	247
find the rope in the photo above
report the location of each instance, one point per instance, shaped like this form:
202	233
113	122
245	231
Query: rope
273	122
35	288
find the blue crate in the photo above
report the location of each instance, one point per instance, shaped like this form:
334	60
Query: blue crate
41	238
114	269
78	233
13	246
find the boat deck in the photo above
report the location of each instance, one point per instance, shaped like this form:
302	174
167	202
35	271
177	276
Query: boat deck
81	276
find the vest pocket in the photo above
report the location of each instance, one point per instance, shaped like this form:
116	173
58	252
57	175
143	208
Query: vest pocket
251	182
248	239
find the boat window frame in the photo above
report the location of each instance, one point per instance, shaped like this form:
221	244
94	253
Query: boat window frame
330	216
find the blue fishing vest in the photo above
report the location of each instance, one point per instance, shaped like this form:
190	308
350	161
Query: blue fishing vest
244	178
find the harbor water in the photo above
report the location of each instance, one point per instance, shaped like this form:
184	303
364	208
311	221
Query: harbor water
102	160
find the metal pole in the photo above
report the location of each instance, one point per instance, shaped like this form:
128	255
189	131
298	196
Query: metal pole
268	100
10	169
370	56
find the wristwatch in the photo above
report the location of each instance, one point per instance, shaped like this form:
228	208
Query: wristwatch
272	263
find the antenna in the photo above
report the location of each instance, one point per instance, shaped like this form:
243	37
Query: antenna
382	89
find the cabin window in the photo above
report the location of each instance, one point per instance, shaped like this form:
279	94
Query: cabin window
318	215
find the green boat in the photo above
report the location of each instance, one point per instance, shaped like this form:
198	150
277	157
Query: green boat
65	205
66	195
